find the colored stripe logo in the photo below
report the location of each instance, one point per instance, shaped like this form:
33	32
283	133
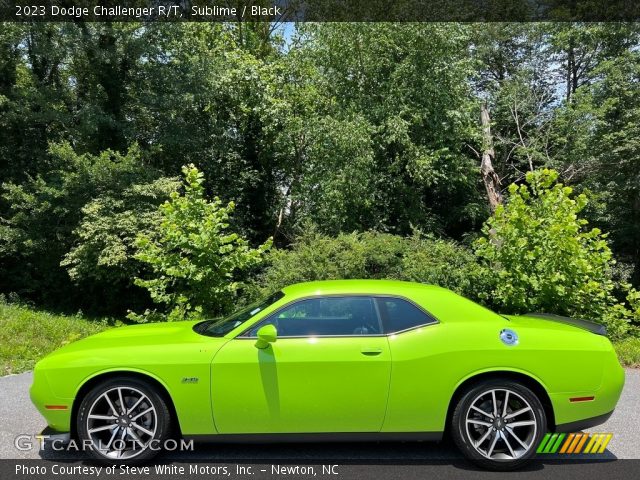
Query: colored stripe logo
574	443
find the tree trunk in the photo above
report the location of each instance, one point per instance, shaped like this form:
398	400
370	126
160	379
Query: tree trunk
489	176
572	80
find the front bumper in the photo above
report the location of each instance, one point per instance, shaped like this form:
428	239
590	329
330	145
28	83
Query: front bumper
55	410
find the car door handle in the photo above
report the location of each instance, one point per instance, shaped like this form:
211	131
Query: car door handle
371	351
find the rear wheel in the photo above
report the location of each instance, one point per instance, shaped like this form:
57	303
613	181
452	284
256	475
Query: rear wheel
498	424
123	420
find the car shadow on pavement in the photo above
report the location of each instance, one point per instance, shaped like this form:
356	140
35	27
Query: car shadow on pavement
356	453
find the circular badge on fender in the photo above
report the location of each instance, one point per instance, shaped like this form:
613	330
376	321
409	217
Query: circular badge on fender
508	337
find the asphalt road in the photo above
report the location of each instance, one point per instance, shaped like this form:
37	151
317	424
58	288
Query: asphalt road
19	417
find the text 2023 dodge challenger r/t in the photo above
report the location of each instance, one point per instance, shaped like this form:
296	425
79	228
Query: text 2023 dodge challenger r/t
335	360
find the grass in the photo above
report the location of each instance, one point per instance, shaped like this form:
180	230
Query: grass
628	351
26	335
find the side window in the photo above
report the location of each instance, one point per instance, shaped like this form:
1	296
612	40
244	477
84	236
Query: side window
325	316
400	314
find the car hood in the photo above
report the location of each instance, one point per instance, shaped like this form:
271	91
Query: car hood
138	336
549	321
166	351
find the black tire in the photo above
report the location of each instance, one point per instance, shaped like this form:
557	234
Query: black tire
156	422
468	427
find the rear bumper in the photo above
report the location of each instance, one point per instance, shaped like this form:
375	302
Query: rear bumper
583	424
576	415
51	435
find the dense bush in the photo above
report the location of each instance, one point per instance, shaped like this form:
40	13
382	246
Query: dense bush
445	263
374	255
63	239
105	238
194	257
543	257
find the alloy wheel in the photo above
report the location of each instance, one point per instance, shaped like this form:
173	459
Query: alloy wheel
501	424
121	423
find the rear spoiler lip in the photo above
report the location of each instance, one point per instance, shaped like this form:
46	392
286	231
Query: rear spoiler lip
593	327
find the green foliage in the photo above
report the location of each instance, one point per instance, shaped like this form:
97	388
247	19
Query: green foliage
43	222
105	246
628	351
35	101
371	254
633	300
27	334
445	263
195	259
390	105
338	190
544	258
600	132
353	127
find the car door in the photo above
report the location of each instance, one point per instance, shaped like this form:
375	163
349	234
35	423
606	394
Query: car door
328	371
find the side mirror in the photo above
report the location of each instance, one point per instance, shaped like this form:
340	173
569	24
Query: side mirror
266	334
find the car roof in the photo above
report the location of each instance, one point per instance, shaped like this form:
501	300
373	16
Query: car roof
442	303
332	287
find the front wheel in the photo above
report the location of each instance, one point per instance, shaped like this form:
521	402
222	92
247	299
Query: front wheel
498	424
123	420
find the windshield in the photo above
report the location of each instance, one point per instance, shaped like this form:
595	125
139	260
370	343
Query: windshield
220	327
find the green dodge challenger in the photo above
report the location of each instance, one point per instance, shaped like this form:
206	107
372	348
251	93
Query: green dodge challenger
335	360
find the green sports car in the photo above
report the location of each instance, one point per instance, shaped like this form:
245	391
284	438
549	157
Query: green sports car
335	360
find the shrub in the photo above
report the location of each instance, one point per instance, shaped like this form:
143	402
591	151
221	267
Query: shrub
46	220
105	238
544	257
444	263
373	255
194	258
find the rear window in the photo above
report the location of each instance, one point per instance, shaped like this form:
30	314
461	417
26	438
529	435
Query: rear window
399	315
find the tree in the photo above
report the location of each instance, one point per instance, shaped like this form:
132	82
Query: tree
101	261
515	79
44	213
597	139
204	95
489	176
35	100
195	260
543	256
104	66
352	126
581	48
405	87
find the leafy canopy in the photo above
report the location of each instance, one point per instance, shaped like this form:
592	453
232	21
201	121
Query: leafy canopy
194	257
